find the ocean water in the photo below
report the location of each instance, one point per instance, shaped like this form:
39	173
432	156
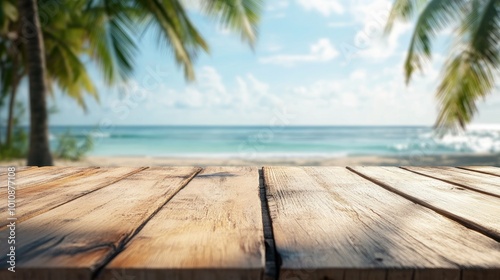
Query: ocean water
245	142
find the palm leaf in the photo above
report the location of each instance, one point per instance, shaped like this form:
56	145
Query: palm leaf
470	75
175	30
404	10
437	15
238	15
110	27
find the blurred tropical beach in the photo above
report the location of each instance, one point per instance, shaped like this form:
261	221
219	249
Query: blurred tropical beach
293	145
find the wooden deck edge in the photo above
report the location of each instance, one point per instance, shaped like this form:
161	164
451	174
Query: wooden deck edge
465	222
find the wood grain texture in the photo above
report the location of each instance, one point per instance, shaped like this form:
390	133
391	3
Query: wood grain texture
336	224
40	175
477	182
74	240
475	210
491	170
3	169
36	199
212	229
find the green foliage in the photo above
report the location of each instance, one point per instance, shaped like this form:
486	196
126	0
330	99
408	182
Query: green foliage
71	148
473	65
19	147
19	144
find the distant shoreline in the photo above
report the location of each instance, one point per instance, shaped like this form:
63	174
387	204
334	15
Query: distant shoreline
427	160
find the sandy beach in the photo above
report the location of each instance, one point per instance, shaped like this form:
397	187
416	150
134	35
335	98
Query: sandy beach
415	160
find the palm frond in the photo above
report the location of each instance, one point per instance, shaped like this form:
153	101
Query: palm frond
175	31
482	26
123	45
8	14
437	15
403	10
470	75
238	15
68	72
111	26
466	79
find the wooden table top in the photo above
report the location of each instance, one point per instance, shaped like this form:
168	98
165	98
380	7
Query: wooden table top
252	223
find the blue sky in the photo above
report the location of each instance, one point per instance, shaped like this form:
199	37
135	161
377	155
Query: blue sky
317	62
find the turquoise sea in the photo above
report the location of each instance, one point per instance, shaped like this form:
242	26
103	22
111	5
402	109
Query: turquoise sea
262	141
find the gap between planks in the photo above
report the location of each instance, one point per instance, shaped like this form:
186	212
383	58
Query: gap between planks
69	246
483	169
121	247
293	202
39	208
433	172
211	229
453	216
272	257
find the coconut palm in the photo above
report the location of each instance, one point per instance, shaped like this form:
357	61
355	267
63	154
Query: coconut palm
10	57
64	42
107	27
39	152
472	67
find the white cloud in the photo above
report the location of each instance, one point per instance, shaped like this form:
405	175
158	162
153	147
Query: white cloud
210	92
277	9
210	80
277	5
222	30
273	47
336	24
321	51
369	41
379	47
359	74
325	7
370	10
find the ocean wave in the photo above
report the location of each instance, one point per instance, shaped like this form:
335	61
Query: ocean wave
480	139
100	134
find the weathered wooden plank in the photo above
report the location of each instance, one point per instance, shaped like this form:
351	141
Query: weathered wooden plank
331	223
477	182
18	168
212	229
40	175
37	199
491	170
75	239
470	172
475	210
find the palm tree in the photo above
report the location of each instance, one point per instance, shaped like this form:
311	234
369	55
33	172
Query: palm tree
10	65
39	152
66	34
109	25
472	67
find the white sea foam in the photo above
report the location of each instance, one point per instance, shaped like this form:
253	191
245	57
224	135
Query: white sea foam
98	134
478	139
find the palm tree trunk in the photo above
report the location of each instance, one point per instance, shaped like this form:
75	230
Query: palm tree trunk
39	152
12	103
